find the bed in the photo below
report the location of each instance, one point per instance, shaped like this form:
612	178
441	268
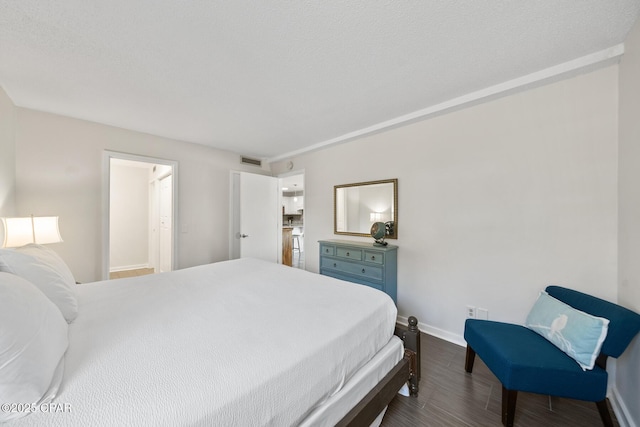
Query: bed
242	342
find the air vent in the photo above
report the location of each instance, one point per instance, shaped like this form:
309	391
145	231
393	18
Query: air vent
250	161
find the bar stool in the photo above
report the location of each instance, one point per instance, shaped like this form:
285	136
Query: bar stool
296	240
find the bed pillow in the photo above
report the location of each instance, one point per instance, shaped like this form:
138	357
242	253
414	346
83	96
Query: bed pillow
45	269
33	340
579	334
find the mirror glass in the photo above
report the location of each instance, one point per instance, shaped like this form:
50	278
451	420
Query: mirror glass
357	206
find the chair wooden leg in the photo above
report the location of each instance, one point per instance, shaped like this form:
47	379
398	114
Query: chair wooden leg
605	415
469	359
509	398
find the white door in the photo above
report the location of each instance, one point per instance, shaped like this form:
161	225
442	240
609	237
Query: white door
154	225
166	220
254	213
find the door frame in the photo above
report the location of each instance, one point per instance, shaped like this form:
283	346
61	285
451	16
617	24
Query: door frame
107	155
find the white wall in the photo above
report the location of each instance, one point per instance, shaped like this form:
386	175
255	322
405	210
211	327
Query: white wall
59	171
628	366
129	217
7	156
496	201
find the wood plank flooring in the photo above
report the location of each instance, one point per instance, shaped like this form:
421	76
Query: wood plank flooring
451	397
130	273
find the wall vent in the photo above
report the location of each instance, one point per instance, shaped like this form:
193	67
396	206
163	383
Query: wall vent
249	161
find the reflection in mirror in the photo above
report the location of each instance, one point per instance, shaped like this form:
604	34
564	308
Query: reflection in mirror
357	206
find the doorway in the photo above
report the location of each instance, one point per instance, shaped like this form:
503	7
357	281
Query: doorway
140	195
292	197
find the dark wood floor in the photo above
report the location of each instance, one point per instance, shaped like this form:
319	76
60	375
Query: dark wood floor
451	397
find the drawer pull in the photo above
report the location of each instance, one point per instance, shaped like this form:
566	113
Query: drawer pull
347	253
363	271
326	250
334	265
373	257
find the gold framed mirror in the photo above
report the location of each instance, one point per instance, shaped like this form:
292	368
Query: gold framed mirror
357	206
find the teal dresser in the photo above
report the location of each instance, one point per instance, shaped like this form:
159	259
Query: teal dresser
375	266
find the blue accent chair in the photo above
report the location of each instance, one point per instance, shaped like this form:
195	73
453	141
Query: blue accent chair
525	361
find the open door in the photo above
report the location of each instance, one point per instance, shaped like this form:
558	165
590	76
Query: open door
166	223
254	221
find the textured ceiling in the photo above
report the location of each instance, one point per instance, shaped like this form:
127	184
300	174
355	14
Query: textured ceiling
266	78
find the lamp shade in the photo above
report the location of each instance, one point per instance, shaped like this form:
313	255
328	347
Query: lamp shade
375	216
38	229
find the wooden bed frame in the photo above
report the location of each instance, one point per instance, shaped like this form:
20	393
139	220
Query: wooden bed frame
408	369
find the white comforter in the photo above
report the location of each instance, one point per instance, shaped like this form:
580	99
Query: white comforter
237	343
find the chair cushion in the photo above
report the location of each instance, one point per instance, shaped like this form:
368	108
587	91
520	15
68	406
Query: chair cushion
525	361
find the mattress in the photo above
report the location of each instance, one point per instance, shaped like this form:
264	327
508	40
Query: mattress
236	343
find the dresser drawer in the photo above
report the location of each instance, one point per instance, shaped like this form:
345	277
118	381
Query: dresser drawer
349	253
328	250
368	272
375	257
361	262
339	275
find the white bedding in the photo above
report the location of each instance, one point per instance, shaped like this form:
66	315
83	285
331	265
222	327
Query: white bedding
236	343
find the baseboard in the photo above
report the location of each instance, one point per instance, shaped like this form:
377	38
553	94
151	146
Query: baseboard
436	332
620	409
128	267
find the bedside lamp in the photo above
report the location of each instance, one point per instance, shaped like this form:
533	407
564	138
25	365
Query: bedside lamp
31	229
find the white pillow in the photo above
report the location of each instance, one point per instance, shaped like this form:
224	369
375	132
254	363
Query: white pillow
33	340
45	269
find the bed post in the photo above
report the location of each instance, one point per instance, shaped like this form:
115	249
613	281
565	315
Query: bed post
411	338
408	369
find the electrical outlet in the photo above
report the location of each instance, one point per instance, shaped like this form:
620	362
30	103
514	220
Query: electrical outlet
482	313
471	312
